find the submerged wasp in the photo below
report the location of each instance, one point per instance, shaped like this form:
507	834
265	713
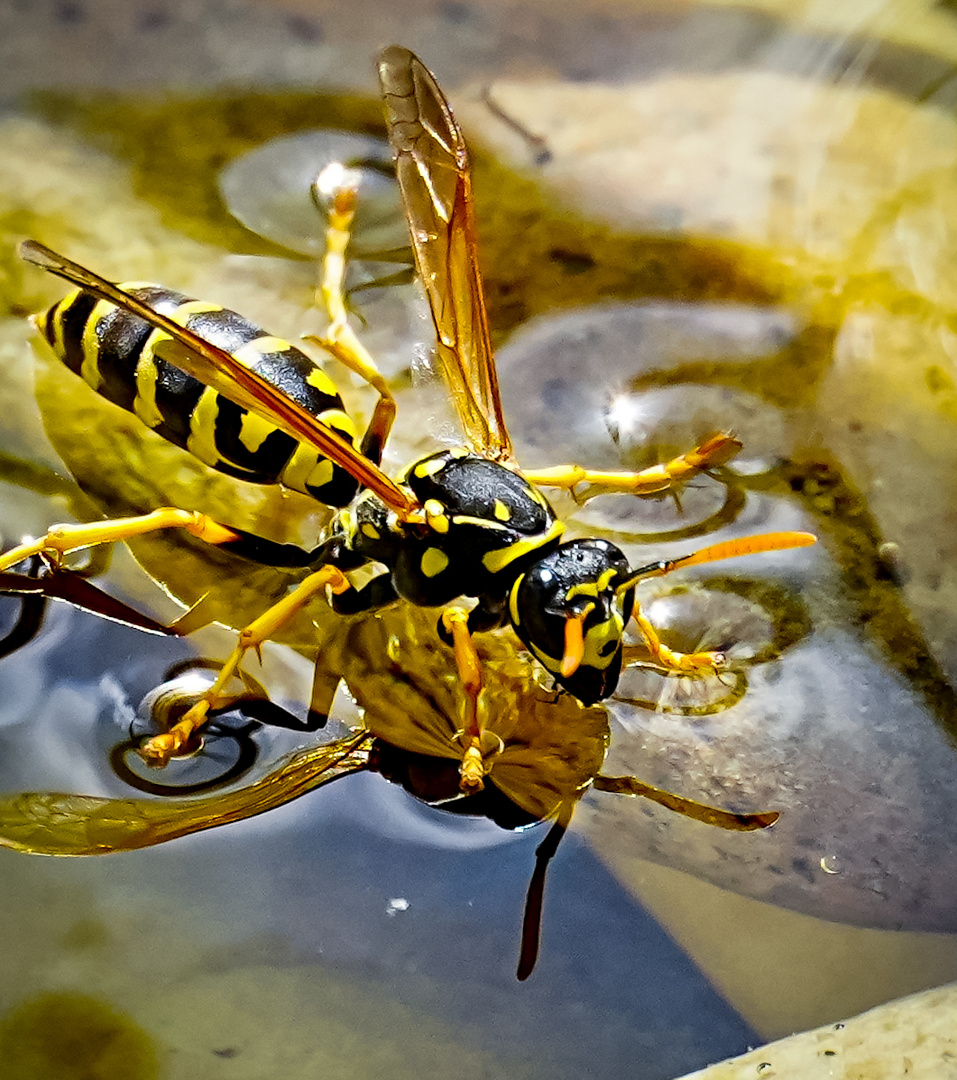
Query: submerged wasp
465	530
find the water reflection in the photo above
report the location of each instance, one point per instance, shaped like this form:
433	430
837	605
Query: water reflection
827	692
325	877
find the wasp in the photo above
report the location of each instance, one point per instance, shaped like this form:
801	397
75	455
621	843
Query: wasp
465	530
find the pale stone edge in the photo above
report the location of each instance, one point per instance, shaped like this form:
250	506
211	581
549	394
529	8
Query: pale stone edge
914	1037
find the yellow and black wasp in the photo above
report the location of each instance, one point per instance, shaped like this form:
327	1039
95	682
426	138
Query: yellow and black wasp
459	525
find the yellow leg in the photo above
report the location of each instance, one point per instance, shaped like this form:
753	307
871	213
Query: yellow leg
474	739
341	340
158	750
62	539
715	451
703	663
699	663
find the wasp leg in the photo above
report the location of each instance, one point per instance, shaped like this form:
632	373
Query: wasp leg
62	539
704	662
341	340
454	624
532	920
159	749
670	475
698	663
264	711
488	614
710	815
375	594
283	556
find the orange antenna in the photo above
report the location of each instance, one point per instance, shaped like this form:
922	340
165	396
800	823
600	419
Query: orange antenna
728	549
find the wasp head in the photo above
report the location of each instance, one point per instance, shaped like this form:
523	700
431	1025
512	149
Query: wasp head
570	609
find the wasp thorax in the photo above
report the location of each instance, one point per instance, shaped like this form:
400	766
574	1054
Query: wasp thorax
483	524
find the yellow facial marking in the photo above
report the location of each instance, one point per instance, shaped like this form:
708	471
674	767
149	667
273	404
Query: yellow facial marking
550	663
434	561
592	588
598	636
514	614
368	529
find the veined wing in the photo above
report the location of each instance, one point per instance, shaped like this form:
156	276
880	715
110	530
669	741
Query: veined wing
52	823
433	170
76	590
225	374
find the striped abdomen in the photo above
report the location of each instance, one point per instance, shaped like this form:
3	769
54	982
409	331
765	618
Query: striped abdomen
112	350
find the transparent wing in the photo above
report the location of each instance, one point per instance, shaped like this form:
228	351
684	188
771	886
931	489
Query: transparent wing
51	823
227	376
432	167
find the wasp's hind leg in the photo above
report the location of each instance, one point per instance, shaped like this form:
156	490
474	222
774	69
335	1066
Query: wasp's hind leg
666	477
340	339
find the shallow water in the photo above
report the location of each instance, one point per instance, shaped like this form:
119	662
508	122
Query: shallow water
758	237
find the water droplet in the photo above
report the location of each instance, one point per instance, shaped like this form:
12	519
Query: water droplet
831	864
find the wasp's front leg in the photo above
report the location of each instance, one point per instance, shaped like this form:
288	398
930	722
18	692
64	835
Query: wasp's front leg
708	662
666	477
